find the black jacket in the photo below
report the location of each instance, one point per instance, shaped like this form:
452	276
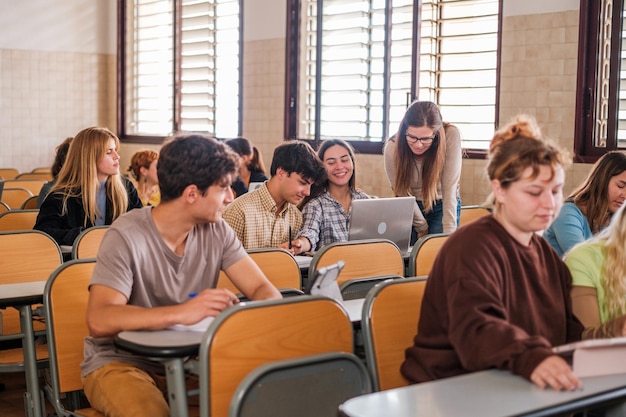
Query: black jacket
65	228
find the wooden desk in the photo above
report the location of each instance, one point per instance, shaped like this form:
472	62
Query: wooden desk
492	393
171	347
22	296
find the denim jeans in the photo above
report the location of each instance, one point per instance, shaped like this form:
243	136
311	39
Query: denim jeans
434	217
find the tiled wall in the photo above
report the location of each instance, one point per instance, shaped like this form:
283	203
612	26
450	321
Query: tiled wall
47	96
538	77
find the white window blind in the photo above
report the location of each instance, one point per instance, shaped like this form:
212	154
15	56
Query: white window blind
202	60
458	61
457	55
149	68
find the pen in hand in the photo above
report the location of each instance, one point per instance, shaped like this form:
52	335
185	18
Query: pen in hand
290	245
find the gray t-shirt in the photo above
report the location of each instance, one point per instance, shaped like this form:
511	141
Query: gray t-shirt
134	260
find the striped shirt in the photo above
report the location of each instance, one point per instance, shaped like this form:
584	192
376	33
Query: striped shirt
325	220
257	222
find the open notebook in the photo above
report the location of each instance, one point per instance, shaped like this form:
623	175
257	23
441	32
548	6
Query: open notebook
383	218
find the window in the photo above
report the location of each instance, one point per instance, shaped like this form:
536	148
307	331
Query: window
601	93
180	68
353	69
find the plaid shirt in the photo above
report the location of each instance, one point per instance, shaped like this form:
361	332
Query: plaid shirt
255	218
325	220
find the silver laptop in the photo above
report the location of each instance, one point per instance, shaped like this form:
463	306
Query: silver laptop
383	218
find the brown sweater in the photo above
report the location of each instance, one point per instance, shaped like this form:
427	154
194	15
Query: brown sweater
491	302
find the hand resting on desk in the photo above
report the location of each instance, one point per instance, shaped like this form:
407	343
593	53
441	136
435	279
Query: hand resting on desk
554	372
208	303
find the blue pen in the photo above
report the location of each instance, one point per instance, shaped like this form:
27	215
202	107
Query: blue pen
193	294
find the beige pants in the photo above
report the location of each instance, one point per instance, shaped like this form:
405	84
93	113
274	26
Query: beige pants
119	389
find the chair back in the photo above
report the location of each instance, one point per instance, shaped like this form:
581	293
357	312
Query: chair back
27	255
41	169
390	315
313	386
32	185
30	203
358	288
18	220
46	176
15	197
471	213
65	300
362	259
87	243
4	207
424	253
8	173
249	335
278	265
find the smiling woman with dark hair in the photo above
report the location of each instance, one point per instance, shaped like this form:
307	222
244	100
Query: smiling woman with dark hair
326	215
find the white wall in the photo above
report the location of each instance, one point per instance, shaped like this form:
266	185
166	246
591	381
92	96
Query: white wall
59	25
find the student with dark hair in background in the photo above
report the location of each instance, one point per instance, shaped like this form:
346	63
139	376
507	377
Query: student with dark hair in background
59	160
247	174
269	216
148	264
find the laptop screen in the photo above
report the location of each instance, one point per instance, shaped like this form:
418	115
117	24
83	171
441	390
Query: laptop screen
383	218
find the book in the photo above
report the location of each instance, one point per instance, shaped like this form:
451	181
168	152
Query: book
596	357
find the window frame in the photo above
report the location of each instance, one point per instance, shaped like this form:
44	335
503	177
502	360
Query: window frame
292	69
176	37
585	149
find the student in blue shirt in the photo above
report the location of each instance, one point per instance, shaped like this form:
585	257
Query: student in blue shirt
589	208
326	215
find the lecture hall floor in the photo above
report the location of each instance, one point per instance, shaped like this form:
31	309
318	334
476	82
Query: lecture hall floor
12	398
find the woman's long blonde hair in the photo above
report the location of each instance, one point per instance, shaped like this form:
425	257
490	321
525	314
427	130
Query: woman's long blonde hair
78	177
419	114
614	268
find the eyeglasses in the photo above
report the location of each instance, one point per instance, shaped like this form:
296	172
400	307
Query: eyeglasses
412	140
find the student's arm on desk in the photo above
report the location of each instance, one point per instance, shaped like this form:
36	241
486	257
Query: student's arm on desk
248	277
108	312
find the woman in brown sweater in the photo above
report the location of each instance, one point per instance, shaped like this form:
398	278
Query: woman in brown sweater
498	295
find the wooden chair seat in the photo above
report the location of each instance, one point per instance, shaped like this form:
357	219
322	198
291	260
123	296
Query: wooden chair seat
249	335
278	265
87	243
391	313
424	253
32	185
65	299
14	197
362	259
18	220
15	357
471	213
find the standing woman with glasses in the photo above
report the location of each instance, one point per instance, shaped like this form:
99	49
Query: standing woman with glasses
424	160
89	190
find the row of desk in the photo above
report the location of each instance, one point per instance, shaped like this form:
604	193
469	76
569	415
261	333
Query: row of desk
487	393
22	296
